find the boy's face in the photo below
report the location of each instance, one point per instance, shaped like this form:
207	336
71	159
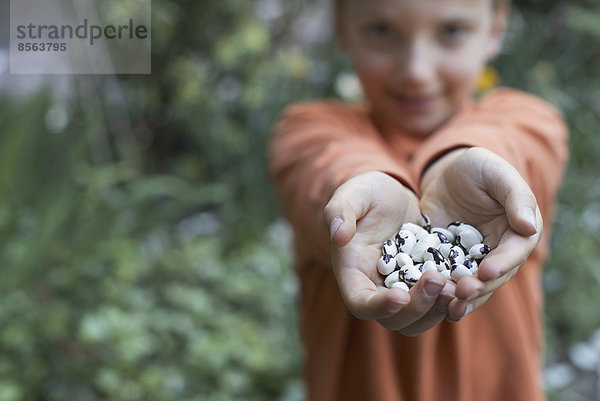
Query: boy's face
419	60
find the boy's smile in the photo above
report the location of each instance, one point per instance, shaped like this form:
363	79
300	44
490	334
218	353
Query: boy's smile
419	60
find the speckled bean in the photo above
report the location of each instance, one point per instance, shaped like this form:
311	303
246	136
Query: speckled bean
445	232
425	222
403	259
431	240
456	255
390	248
412	275
445	249
471	264
405	241
386	264
412	227
478	251
468	237
428	265
459	271
402	285
437	258
455	252
392	278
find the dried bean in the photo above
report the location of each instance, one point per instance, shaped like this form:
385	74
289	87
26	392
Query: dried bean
468	237
392	278
459	271
403	259
390	248
455	252
446	274
425	222
478	251
386	264
445	249
406	241
412	275
413	228
445	232
456	255
471	264
400	284
429	265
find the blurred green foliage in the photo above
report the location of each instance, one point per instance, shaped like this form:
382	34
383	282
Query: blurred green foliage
142	253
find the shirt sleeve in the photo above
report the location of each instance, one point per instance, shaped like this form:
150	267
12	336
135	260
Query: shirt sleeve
521	128
315	148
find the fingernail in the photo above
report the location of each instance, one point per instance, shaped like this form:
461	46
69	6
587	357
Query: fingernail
494	273
395	306
468	310
473	296
432	288
443	301
335	224
529	216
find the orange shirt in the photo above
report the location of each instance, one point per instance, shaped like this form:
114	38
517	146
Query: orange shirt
493	354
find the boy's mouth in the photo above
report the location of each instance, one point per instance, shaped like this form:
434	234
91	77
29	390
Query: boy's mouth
413	103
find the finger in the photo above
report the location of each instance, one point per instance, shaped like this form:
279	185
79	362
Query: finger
522	212
340	215
458	309
512	192
435	315
512	251
340	219
470	288
498	267
367	301
423	297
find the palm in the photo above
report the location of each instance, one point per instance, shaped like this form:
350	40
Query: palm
389	208
450	198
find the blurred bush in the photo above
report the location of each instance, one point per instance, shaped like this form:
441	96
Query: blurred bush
559	61
143	256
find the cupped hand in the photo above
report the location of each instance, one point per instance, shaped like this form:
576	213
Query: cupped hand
480	188
362	214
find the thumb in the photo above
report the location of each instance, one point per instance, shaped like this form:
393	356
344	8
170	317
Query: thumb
345	207
512	192
522	212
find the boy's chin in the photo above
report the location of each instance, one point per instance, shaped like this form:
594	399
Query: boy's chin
414	124
418	126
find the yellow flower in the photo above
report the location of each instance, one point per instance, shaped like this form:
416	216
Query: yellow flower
488	79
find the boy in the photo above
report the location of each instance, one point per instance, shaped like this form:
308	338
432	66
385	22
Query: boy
420	144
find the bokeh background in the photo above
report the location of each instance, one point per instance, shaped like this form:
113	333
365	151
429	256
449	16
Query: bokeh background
142	254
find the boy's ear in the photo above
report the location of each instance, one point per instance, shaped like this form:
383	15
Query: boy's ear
499	25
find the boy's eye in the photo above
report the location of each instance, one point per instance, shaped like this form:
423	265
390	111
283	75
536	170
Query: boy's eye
379	29
454	32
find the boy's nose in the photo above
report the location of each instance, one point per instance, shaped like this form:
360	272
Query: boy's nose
415	65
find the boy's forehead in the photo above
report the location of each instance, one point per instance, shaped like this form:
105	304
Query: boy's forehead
439	6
